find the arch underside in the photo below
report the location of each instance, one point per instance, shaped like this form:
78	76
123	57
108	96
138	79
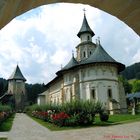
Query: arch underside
126	10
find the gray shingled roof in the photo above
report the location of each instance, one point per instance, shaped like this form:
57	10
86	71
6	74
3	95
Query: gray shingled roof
85	28
17	75
101	56
73	62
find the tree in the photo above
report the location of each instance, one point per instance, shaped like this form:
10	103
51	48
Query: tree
32	92
127	86
1	88
136	86
138	75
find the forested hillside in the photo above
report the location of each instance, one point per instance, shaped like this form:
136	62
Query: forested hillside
132	72
3	86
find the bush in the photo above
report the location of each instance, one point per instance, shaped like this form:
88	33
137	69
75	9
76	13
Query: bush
5	112
72	113
104	117
137	108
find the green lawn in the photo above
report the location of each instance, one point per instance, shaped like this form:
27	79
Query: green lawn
3	138
113	120
7	124
117	119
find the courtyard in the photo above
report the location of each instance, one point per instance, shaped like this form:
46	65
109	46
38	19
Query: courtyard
25	128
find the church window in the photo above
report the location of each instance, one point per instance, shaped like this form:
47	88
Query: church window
84	54
88	38
93	94
109	93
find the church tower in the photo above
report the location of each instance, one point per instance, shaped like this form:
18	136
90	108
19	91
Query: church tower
16	87
86	47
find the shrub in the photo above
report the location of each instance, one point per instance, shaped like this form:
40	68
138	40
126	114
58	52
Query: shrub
5	112
81	112
77	112
104	117
137	108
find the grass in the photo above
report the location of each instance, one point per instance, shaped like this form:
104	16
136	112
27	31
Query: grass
113	120
7	124
3	138
117	119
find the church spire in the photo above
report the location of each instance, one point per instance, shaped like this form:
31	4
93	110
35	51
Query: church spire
85	28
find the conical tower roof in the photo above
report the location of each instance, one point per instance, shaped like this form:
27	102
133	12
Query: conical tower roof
17	75
85	28
101	56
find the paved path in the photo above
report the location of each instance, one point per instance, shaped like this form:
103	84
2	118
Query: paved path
3	134
24	128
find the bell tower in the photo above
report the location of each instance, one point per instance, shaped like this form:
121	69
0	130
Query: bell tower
86	47
16	88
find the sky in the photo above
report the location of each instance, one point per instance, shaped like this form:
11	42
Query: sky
41	40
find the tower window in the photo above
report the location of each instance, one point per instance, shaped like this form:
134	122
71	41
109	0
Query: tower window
88	38
90	52
84	54
93	95
109	93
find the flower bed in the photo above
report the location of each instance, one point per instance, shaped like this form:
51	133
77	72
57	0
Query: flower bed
5	112
70	114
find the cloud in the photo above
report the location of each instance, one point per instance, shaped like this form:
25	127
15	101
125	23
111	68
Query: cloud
59	57
43	39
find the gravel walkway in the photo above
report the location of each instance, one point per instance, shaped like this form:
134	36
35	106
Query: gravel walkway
3	134
24	128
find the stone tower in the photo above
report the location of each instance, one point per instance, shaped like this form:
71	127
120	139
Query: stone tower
16	88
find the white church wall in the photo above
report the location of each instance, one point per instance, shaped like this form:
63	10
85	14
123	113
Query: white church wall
99	78
55	92
67	93
41	100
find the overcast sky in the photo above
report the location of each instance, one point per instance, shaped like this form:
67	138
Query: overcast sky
43	39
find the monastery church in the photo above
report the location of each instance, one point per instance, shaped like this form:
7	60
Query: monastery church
92	75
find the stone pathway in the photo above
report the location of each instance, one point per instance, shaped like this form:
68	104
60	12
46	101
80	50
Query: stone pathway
24	128
3	134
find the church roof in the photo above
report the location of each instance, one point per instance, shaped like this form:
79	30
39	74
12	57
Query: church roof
85	28
73	62
101	56
17	75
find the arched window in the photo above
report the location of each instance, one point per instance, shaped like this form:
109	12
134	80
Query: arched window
90	52
93	94
84	54
109	93
88	38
